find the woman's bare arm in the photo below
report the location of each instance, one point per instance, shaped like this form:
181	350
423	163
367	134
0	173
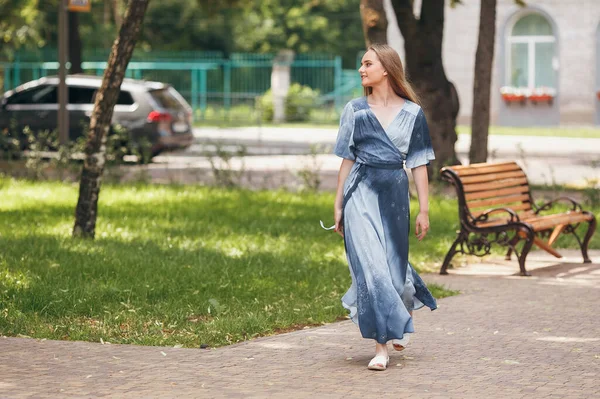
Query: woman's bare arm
345	168
422	183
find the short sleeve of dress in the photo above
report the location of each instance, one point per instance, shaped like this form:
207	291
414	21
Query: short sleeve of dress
344	145
420	151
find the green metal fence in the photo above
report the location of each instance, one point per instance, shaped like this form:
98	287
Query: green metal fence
204	78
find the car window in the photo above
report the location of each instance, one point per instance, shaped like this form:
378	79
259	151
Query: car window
46	96
42	94
124	98
166	98
81	95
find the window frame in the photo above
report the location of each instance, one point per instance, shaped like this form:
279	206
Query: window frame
531	42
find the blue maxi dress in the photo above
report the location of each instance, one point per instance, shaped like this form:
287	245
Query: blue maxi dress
376	215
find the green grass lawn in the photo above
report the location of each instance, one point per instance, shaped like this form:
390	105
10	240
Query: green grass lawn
176	265
181	265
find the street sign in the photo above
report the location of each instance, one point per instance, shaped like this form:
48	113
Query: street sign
80	5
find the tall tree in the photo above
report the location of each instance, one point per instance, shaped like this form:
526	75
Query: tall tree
75	45
482	82
91	175
374	21
423	39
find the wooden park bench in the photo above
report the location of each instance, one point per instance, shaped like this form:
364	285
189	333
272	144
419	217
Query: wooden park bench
495	207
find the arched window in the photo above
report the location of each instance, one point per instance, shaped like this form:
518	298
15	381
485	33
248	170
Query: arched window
531	53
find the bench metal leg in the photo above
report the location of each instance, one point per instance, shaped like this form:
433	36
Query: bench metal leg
586	240
511	244
529	235
459	240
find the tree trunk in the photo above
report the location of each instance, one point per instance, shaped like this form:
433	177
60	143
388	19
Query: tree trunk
75	46
423	46
91	175
374	22
117	13
480	118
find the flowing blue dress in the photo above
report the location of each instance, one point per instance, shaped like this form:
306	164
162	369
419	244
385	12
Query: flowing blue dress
376	215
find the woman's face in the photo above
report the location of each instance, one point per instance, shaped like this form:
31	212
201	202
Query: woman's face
371	71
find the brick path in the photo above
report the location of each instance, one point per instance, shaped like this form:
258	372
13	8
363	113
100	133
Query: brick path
503	337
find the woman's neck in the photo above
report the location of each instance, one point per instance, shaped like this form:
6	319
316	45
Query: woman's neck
384	95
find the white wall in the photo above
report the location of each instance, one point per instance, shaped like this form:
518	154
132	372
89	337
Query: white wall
576	22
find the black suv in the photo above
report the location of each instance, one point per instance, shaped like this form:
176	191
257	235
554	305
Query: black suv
151	110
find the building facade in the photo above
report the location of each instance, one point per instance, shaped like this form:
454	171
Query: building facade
546	60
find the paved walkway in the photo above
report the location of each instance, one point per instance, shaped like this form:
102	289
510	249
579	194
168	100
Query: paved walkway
503	337
501	145
277	155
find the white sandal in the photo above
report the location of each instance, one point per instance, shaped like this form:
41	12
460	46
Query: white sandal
379	363
400	344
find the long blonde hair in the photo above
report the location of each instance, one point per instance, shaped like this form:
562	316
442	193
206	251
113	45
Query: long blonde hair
390	60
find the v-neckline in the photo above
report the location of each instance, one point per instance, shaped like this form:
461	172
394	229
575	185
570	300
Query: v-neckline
393	119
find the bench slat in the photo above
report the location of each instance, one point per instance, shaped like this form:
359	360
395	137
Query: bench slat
540	223
469	188
496	193
499	201
494	222
520	207
547	221
488	169
492	177
477	165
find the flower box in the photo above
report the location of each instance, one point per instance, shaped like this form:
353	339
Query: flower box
538	98
542	94
522	94
513	98
513	95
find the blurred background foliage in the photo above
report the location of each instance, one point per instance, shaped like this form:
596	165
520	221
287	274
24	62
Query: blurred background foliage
266	26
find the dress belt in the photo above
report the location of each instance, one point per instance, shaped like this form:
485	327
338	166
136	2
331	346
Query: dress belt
384	165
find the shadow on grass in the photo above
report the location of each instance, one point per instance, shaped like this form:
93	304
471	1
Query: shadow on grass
172	266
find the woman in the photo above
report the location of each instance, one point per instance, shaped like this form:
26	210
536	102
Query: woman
379	134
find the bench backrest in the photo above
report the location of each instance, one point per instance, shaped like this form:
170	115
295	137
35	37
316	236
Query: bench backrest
483	186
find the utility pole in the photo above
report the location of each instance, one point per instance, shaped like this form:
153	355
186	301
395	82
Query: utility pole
63	93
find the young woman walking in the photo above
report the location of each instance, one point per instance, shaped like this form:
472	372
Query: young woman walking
379	134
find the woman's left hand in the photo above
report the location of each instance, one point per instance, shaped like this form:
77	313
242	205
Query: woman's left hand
422	225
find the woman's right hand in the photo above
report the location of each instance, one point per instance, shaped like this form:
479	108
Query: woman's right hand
339	223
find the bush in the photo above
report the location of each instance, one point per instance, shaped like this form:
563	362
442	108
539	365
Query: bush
299	103
264	104
39	143
9	146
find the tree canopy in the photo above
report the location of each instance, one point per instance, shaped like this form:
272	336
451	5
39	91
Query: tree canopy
321	26
17	27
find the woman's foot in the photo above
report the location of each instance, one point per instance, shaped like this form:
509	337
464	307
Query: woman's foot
379	363
381	359
400	344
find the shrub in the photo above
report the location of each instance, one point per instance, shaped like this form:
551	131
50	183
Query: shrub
264	104
299	103
9	146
